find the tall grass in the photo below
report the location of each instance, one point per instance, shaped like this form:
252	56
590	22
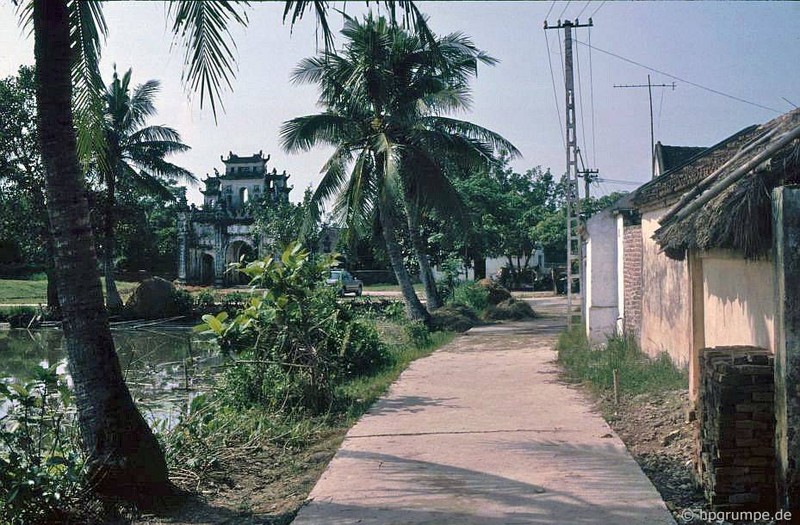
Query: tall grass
637	373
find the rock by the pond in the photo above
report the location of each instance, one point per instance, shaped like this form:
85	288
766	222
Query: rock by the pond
154	298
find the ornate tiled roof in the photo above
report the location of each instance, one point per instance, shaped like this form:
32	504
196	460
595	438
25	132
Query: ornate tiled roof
669	186
671	157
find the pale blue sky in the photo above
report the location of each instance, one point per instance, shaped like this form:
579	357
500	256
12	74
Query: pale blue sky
747	49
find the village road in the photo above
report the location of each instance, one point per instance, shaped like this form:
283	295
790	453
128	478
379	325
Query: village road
484	432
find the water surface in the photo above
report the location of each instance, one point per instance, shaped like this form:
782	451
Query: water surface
163	367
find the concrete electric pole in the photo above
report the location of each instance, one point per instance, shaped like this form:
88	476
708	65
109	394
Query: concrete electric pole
574	246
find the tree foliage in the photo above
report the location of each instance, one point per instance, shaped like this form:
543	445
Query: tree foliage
385	94
23	217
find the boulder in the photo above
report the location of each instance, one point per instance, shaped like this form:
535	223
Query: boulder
154	298
497	293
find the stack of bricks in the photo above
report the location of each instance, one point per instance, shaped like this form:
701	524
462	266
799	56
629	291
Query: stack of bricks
736	428
632	271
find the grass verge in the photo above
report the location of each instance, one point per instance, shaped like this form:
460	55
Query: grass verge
255	466
636	372
17	291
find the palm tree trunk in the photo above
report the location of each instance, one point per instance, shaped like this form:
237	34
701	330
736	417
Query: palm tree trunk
414	308
124	456
113	299
50	270
425	272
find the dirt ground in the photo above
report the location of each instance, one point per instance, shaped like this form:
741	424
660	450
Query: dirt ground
656	431
260	486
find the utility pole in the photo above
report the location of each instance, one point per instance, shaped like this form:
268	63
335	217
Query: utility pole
589	176
649	87
574	245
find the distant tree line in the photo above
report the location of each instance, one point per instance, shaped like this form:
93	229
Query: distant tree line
137	212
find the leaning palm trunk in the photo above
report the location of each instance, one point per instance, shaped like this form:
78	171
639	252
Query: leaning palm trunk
124	456
113	299
414	307
425	273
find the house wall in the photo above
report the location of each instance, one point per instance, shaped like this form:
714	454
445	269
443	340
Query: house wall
666	298
632	279
601	309
739	305
255	188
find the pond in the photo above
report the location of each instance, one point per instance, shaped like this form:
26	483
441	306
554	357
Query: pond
164	367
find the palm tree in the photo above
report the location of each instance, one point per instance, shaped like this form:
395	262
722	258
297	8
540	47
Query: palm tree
124	456
134	153
384	96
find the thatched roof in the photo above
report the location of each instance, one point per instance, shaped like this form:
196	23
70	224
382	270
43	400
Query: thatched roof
730	208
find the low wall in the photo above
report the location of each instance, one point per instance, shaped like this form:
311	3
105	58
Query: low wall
736	428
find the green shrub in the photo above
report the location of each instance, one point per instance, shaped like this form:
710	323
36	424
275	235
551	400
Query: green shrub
395	311
205	301
235	301
18	316
636	371
472	295
184	302
418	333
295	341
41	467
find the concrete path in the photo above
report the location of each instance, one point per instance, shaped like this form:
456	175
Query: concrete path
483	432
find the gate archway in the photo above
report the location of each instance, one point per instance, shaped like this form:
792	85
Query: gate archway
238	251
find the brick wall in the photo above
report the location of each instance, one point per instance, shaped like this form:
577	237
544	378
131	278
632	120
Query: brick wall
632	269
736	428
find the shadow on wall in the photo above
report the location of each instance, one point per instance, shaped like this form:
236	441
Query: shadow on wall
739	302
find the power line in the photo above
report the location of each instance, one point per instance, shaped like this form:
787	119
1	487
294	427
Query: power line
591	94
598	9
582	10
550	10
695	84
555	94
580	95
623	182
564	10
561	56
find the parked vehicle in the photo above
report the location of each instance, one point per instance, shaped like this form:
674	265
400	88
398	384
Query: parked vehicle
346	282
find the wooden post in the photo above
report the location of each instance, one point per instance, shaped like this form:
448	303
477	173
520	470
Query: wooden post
786	261
697	320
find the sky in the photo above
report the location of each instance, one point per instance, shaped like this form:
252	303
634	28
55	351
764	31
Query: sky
746	50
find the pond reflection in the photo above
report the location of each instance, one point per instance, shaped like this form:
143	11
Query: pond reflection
164	368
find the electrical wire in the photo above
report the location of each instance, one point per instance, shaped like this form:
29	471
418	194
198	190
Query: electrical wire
564	10
674	77
623	182
550	10
584	9
580	95
598	9
562	64
555	93
591	94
